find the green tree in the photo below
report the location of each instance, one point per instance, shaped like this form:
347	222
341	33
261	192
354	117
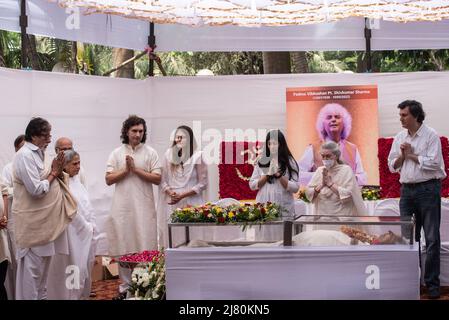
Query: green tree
9	49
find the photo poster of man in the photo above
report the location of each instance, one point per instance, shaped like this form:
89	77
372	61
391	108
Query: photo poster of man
345	114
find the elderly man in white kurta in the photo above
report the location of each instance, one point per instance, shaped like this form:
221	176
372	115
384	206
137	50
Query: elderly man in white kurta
134	168
42	209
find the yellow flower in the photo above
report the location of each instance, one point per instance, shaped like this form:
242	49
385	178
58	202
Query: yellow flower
231	214
218	209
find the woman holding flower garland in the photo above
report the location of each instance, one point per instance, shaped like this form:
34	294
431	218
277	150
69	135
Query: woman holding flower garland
184	178
276	179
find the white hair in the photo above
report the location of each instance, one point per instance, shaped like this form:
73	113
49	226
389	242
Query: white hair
334	148
69	155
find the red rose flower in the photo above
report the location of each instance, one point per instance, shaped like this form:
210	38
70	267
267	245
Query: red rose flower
234	171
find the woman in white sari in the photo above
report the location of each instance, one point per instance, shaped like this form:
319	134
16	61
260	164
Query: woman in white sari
184	178
333	189
70	276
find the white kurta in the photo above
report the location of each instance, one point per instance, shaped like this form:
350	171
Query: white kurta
131	226
82	236
191	176
349	200
275	193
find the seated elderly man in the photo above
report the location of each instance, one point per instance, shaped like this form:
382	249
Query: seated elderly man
333	189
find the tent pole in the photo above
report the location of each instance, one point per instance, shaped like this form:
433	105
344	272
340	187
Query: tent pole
367	46
23	33
151	44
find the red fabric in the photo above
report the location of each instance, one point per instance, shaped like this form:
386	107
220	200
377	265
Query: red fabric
230	184
389	182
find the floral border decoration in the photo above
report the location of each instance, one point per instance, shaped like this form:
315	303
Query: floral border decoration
245	212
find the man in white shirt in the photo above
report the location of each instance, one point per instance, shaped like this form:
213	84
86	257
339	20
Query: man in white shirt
133	168
416	155
35	187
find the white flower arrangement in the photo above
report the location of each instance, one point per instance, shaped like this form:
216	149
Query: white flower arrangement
148	279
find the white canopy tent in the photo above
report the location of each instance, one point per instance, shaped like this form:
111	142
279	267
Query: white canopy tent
264	12
48	19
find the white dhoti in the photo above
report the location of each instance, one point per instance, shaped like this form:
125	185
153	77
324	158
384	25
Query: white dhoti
32	273
33	266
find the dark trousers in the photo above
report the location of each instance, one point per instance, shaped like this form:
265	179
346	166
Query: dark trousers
3	270
423	200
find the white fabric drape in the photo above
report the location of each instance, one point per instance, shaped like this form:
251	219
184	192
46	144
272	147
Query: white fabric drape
90	110
291	273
